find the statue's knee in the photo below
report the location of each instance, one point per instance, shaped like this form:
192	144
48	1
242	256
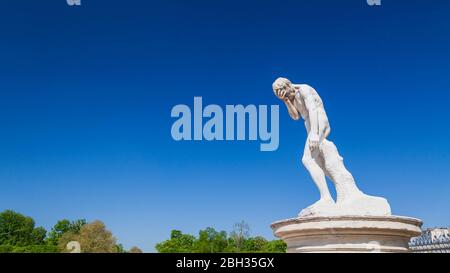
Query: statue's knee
307	162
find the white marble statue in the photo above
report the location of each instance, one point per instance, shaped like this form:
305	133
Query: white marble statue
321	158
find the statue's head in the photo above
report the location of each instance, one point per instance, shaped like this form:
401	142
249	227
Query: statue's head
283	84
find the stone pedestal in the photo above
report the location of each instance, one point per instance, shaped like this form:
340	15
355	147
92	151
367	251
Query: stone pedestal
347	233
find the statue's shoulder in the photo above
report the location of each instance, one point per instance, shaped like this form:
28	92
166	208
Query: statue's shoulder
304	89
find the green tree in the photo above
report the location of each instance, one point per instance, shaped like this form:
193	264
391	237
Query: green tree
240	233
211	241
135	249
35	249
65	238
276	246
178	243
6	248
255	244
62	227
120	249
19	230
95	238
38	236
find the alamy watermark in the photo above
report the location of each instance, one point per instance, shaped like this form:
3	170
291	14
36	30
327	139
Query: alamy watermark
73	2
190	125
374	2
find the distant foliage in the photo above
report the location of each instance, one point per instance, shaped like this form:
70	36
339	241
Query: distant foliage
6	248
240	234
93	238
211	241
178	243
63	227
19	230
35	249
28	249
120	249
18	234
135	249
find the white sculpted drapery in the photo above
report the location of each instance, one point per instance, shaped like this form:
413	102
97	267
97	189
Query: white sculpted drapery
321	157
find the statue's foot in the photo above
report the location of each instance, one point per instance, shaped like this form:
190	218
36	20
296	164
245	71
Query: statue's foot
320	208
363	204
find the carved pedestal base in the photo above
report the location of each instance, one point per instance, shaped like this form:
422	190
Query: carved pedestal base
347	233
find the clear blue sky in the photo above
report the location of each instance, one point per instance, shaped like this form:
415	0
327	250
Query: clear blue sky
86	94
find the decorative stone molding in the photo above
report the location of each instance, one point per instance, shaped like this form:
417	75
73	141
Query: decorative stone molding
347	233
435	240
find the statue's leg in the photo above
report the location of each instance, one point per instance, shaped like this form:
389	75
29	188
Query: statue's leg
316	172
333	163
326	202
350	200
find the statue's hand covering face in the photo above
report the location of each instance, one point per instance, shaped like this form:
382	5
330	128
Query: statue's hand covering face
282	88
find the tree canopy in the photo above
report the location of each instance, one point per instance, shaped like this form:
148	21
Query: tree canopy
19	230
19	234
211	241
62	227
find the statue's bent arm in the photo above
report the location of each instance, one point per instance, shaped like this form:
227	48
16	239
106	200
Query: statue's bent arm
293	112
312	113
